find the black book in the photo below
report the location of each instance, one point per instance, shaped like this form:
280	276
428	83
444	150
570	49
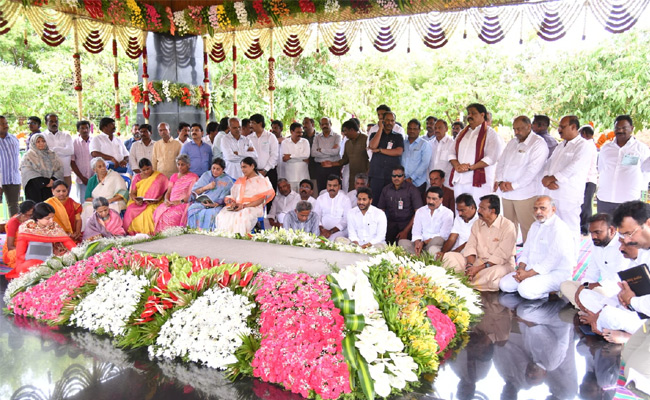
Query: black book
638	278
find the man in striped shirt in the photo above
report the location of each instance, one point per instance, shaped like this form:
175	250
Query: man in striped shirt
9	166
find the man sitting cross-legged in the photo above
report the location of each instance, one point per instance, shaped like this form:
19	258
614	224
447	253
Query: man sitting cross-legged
489	253
431	226
366	223
548	256
302	218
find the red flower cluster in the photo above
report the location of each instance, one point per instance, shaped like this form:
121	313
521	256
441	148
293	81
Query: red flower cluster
307	6
302	333
187	96
360	6
94	8
136	93
262	16
444	326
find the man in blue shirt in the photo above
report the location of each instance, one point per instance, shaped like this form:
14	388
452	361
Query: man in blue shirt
9	167
200	153
416	156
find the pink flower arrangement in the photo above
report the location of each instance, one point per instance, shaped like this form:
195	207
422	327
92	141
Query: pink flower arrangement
46	300
444	326
154	20
302	333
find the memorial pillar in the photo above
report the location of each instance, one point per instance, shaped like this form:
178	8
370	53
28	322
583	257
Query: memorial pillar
176	59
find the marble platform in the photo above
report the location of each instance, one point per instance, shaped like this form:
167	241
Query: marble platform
278	257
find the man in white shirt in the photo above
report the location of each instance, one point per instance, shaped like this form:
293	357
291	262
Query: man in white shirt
284	202
235	147
80	160
109	147
606	260
307	191
548	256
431	225
333	207
222	131
430	128
183	132
366	223
565	174
620	167
360	180
60	143
462	228
143	148
295	157
474	168
587	133
326	147
442	145
266	146
518	174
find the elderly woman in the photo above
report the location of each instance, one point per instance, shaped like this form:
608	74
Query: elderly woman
147	191
173	212
39	169
246	202
25	212
210	192
67	212
104	223
105	183
40	229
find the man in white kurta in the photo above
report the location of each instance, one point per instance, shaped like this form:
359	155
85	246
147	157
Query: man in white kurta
621	176
518	174
109	147
294	153
442	145
464	160
431	225
284	202
565	174
366	223
143	148
548	256
60	143
462	227
235	147
606	260
333	207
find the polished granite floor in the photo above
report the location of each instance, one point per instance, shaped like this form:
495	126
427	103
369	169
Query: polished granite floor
519	350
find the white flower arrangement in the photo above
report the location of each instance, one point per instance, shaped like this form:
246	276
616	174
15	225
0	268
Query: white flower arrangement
332	6
166	91
181	24
207	331
242	15
111	304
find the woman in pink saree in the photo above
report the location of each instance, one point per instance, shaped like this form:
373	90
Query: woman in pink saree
173	212
147	191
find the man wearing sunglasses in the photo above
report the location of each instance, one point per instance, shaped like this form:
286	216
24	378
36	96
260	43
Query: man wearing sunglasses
399	200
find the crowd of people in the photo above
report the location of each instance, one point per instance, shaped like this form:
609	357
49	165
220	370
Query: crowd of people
466	196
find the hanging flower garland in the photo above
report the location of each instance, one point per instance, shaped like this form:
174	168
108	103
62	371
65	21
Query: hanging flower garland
188	95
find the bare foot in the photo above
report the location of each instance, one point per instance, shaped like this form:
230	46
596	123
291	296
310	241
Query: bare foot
618	337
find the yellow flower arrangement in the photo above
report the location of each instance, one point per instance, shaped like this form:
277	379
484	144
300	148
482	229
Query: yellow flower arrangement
137	19
224	21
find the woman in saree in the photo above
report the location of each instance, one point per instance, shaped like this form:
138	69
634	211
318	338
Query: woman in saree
67	212
40	229
39	168
247	199
215	185
147	191
105	183
104	223
173	212
25	212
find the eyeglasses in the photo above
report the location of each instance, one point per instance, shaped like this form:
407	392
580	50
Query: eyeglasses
628	236
397	175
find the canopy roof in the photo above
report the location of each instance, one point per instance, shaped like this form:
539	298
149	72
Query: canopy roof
255	26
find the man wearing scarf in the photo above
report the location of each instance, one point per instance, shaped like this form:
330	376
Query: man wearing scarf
476	151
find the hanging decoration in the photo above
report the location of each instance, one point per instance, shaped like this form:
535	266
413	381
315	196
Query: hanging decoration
205	98
271	76
339	22
116	78
234	80
77	71
146	111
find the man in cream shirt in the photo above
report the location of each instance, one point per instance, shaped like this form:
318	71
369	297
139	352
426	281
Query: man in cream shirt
441	146
518	174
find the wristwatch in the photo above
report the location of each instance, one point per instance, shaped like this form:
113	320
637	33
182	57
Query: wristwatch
487	264
586	285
